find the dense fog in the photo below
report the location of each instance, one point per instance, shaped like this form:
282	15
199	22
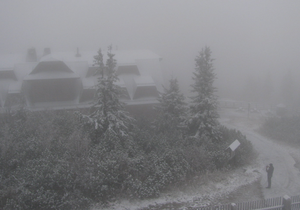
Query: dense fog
255	43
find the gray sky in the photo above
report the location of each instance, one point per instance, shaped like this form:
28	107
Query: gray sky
246	37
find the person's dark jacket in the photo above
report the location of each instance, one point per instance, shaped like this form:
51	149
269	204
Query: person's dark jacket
270	170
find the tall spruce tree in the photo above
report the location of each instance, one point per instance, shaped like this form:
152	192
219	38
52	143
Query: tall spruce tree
171	107
203	109
108	119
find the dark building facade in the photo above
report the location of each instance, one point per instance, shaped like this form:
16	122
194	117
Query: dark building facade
65	80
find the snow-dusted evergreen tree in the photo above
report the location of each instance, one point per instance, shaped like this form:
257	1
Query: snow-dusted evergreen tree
108	119
203	109
171	107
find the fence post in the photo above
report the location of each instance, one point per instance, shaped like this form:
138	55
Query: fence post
233	206
287	202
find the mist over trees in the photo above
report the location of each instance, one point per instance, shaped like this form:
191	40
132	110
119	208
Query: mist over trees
268	88
288	90
73	159
271	90
57	160
171	108
108	117
203	106
244	45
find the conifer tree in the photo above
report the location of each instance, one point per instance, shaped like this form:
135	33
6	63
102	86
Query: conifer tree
203	108
171	107
108	117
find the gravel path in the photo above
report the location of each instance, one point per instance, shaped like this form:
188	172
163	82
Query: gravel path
241	185
286	176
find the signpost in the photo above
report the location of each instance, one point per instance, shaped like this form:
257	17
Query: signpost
232	147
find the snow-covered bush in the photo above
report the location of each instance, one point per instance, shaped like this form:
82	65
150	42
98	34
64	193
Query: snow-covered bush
244	153
149	175
283	129
38	162
47	183
47	161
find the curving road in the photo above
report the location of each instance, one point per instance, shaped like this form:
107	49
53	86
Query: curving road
286	177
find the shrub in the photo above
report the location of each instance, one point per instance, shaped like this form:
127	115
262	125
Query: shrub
282	129
48	161
245	152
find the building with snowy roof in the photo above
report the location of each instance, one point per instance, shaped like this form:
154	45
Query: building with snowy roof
65	80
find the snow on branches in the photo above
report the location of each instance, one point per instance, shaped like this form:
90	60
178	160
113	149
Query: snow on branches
171	107
108	116
203	108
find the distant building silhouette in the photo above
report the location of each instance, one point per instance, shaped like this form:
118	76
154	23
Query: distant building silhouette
65	80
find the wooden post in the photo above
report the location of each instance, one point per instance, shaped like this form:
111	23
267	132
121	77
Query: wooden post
233	206
287	202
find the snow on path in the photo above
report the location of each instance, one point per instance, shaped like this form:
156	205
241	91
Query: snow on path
204	192
201	193
286	177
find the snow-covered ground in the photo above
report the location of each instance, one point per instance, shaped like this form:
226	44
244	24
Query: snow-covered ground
204	191
286	177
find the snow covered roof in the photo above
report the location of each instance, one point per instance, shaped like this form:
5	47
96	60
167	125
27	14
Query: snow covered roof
144	81
128	69
128	57
51	75
23	69
139	73
51	66
120	82
89	82
78	67
49	57
7	74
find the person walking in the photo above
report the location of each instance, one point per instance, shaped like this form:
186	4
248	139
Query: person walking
270	170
